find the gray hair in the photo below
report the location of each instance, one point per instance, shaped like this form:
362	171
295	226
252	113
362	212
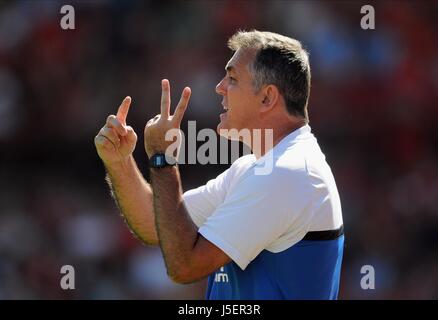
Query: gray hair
280	61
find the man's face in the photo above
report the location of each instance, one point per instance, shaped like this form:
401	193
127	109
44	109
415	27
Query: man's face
239	97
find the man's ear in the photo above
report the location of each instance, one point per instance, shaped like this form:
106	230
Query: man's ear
270	96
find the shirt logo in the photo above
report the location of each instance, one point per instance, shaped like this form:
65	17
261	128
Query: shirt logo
221	276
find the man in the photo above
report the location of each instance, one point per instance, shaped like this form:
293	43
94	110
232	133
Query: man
271	236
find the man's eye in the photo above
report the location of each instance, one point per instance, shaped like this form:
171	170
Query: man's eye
232	79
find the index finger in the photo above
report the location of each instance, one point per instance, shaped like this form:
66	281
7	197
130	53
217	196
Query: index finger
165	98
122	113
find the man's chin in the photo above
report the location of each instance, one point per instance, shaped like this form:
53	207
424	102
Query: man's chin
226	132
221	128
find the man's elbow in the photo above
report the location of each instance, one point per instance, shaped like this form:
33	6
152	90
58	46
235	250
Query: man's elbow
183	275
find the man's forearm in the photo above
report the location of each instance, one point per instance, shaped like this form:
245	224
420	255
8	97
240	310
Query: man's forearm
176	230
134	199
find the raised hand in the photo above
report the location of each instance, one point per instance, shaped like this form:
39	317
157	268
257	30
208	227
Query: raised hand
156	128
116	141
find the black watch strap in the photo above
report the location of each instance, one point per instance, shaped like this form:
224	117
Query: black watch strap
159	160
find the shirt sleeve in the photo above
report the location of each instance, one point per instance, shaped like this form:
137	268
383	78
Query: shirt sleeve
258	211
203	201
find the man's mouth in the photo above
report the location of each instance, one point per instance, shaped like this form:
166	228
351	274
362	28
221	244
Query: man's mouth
224	114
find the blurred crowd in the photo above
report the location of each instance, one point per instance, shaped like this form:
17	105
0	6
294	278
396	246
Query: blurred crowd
372	108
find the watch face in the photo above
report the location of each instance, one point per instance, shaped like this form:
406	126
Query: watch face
159	161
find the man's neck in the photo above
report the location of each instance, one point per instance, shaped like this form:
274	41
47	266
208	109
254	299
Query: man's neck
271	137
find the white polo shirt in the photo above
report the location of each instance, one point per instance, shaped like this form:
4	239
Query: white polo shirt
243	213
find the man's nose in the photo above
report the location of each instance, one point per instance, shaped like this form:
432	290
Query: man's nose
220	87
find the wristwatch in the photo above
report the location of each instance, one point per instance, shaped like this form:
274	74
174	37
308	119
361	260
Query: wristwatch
159	160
